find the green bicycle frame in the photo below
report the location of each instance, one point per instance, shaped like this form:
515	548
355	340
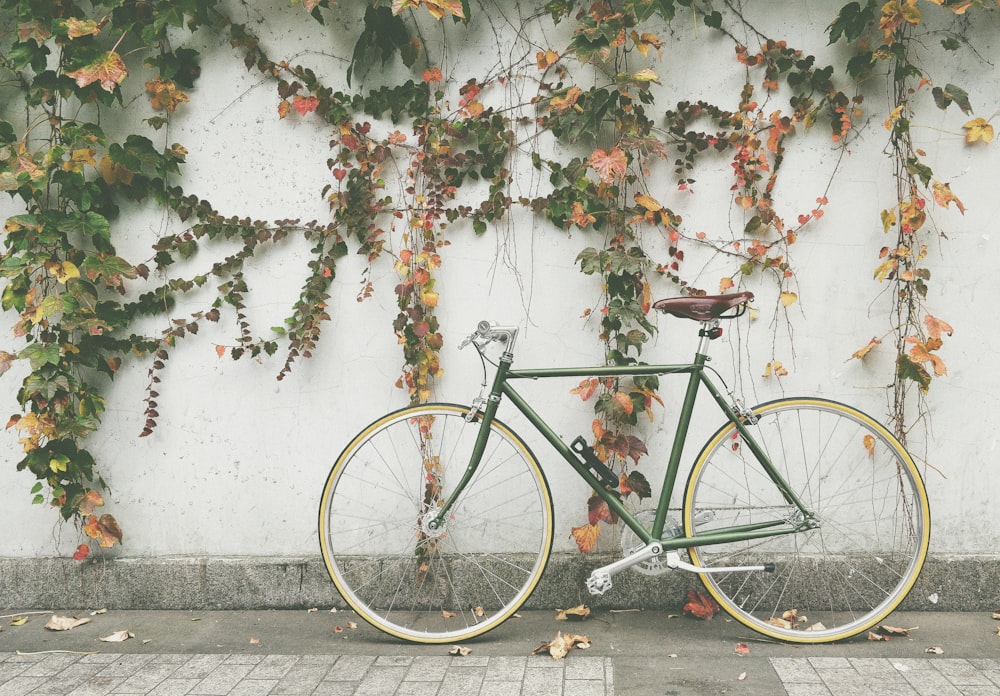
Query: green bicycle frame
697	378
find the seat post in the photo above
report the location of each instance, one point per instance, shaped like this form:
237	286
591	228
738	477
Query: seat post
709	331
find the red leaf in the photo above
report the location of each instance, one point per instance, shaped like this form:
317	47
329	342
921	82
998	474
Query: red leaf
304	104
700	605
82	551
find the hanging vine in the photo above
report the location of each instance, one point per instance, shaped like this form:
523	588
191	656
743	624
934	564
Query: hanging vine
405	165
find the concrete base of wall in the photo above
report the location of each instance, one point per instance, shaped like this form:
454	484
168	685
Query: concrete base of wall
955	583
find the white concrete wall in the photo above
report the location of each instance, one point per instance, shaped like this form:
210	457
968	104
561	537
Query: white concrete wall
237	463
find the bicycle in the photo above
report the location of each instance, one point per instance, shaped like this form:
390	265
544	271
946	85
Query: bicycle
805	519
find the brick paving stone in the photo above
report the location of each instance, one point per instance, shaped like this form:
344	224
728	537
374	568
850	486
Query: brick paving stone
174	687
462	679
393	661
808	689
222	679
428	668
246	659
506	669
977	690
583	687
273	667
18	686
199	666
9	670
97	686
796	670
961	673
542	682
930	682
846	682
255	687
316	660
300	679
379	681
500	688
424	688
829	662
350	668
124	665
586	668
51	664
146	679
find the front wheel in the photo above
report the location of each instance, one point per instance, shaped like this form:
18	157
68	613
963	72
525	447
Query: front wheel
870	530
400	571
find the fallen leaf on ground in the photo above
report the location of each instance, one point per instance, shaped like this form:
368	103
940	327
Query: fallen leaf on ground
577	613
742	649
351	625
19	621
872	635
65	623
313	610
996	614
562	644
891	630
447	614
935	650
118	637
459	650
780	622
479	612
254	641
743	675
98	611
338	629
700	605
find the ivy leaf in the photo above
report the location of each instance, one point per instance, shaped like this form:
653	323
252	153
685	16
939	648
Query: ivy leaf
636	483
935	327
104	528
862	352
907	369
109	70
586	537
952	93
609	165
304	105
943	196
978	129
700	605
598	510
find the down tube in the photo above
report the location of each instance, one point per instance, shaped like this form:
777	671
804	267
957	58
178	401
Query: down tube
563	449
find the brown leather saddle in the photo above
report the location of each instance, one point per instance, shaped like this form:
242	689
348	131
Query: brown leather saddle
706	307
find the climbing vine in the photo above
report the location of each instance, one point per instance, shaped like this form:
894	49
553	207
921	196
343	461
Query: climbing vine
413	164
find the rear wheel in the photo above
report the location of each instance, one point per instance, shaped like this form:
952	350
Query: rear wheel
861	559
402	575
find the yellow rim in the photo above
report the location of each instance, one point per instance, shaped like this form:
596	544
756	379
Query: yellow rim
918	485
346	455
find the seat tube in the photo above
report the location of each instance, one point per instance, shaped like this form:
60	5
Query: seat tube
680	436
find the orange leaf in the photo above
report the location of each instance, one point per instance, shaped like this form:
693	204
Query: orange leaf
648	202
586	388
104	528
82	551
220	350
625	401
109	70
742	649
433	75
546	58
860	353
943	196
869	443
610	166
935	326
90	501
598	510
700	605
580	216
586	537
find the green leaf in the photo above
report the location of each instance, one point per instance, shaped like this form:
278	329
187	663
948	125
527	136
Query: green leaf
853	22
952	93
41	354
907	369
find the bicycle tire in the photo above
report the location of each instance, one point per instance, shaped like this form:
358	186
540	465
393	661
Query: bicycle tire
833	581
440	586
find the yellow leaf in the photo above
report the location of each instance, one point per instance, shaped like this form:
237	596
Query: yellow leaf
65	271
884	268
869	443
943	196
19	621
788	298
648	202
646	75
978	129
429	298
775	367
586	537
726	284
862	352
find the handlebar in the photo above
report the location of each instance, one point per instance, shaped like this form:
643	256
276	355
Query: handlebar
487	332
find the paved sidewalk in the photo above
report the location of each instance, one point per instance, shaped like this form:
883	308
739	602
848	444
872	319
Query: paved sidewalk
632	653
